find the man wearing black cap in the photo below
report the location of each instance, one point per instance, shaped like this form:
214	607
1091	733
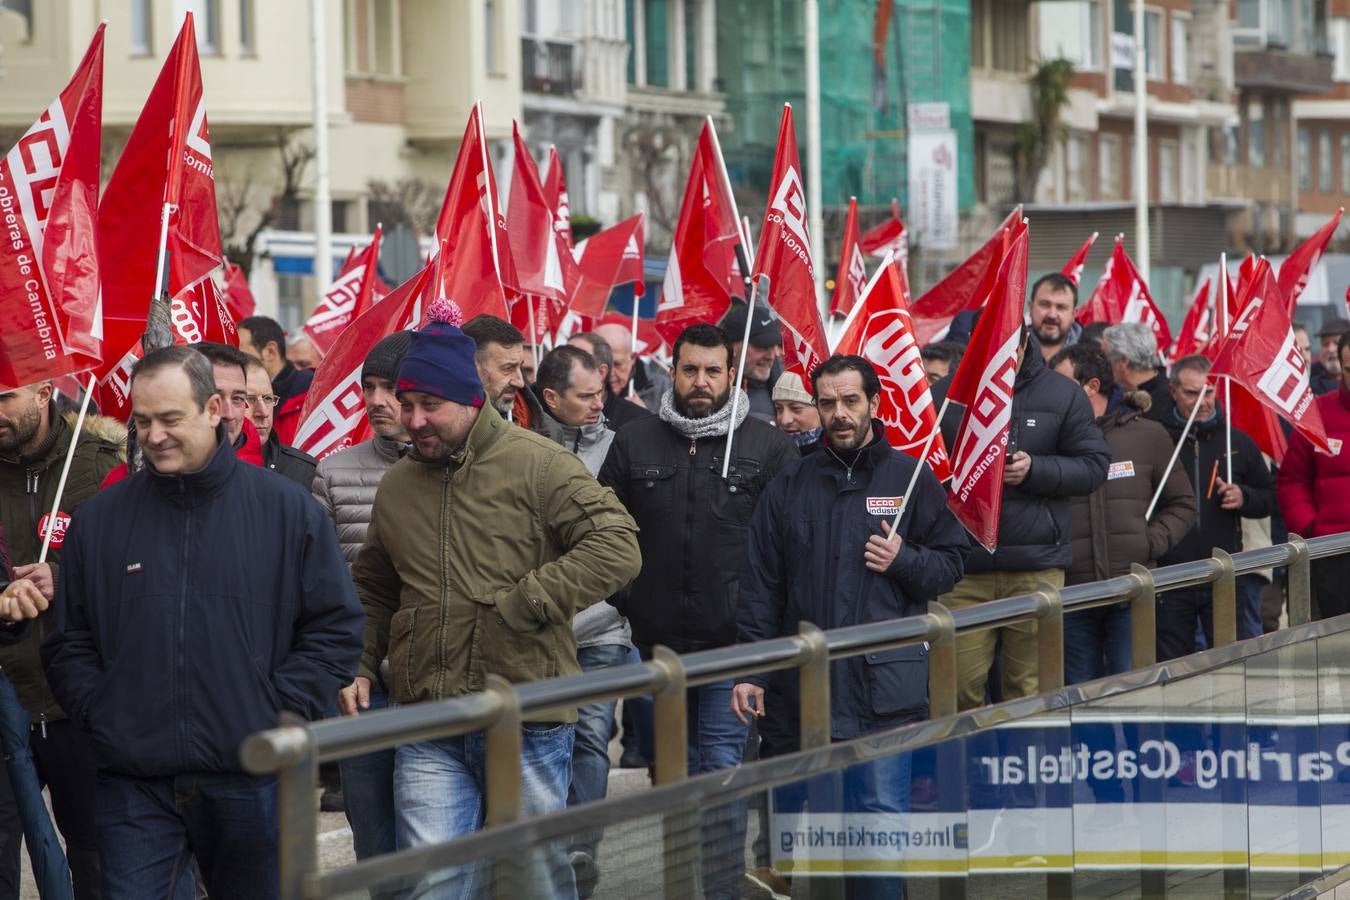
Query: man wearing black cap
345	486
762	367
483	544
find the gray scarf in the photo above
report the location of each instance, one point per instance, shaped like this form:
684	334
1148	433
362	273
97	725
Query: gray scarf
714	425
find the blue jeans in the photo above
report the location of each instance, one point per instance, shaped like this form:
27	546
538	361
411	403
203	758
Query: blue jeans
438	795
368	792
1097	643
44	848
1249	589
717	741
590	752
151	829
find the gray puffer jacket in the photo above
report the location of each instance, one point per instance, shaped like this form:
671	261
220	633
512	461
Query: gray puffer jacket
600	623
345	484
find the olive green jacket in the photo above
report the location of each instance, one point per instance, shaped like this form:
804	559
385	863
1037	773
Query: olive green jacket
27	489
477	565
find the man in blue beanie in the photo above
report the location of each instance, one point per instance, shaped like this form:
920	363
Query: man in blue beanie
484	542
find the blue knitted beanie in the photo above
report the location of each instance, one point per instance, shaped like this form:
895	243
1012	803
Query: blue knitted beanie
439	360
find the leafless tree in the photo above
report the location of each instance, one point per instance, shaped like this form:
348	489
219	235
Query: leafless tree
407	201
247	201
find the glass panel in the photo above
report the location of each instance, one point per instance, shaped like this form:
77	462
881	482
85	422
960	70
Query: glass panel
658	46
1333	714
140	27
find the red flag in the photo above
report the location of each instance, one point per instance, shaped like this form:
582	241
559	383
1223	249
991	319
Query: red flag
984	384
51	319
612	257
965	287
880	331
334	415
238	295
888	237
699	268
1198	326
350	295
1260	354
1073	269
555	191
166	161
852	277
540	254
784	255
478	268
1122	296
1296	268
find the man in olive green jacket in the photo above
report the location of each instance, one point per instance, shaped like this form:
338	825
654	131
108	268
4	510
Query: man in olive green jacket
483	544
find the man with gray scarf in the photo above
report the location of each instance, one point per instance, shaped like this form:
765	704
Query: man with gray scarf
667	471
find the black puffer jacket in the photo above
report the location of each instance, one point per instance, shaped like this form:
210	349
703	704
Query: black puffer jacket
1053	422
297	465
693	525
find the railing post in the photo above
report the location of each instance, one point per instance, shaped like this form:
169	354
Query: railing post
1299	583
814	687
298	815
682	851
502	792
1050	637
1143	618
1224	600
941	663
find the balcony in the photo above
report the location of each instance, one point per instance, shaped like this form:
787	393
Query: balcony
549	67
1272	69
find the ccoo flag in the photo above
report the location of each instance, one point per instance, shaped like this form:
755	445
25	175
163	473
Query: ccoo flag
784	255
1198	325
984	384
351	294
880	331
608	259
1298	265
888	237
1073	269
51	320
1122	296
852	277
964	288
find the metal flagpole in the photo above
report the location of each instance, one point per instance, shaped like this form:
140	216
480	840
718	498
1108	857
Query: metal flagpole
323	204
633	346
923	462
1227	382
761	291
815	222
1176	451
1141	185
65	469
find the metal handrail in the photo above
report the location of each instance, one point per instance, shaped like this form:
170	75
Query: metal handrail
294	750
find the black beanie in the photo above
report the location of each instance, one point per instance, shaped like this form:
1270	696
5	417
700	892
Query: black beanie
385	357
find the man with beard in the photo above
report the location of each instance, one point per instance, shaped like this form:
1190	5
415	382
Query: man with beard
33	445
499	359
821	551
667	470
762	365
1053	300
345	485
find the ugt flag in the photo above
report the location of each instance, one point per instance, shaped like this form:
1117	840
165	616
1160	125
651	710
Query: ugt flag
51	320
351	294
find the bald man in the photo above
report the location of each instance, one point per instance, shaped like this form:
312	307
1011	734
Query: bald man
647	380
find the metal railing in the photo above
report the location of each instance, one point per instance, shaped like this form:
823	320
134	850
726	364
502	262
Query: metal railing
294	750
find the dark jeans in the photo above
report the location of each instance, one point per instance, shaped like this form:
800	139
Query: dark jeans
590	750
151	829
1097	643
23	798
1249	588
65	764
368	795
1178	612
1331	586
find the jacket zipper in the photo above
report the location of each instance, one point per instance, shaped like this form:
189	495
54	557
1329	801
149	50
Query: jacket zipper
31	488
688	521
445	577
180	679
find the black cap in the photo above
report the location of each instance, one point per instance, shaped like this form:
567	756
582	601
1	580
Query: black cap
385	357
1333	328
764	331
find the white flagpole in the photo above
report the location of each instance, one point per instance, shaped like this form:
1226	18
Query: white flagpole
633	345
862	298
1176	451
923	462
65	469
534	334
163	250
761	289
1227	383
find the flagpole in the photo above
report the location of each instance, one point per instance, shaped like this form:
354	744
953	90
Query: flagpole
1176	451
534	334
1227	383
923	462
814	213
859	300
633	345
323	204
743	225
163	250
763	284
65	469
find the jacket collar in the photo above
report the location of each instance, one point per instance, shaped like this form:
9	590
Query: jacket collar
206	482
573	437
52	447
388	449
873	453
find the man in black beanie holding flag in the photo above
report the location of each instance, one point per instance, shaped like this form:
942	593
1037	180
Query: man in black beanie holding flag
484	542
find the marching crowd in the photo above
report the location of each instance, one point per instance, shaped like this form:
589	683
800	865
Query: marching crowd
537	527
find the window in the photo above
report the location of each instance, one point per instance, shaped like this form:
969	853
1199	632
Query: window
629	35
246	46
1075	161
1153	44
999	35
490	36
24	10
1256	135
290	306
1249	14
1071	30
1168	163
1108	166
372	37
1181	48
1305	168
1340	48
1325	163
1345	161
142	38
385	36
530	16
658	43
1279	22
207	16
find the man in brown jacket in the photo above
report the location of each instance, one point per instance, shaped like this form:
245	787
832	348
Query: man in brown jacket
483	544
1109	530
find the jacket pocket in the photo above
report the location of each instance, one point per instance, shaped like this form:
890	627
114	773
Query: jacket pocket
402	631
897	680
733	499
501	650
649	489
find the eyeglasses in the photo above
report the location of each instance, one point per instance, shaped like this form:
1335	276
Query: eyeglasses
242	401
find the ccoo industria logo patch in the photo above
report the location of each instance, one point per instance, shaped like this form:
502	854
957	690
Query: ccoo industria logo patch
884	506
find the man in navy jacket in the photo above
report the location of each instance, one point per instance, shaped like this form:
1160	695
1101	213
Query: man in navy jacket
199	598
